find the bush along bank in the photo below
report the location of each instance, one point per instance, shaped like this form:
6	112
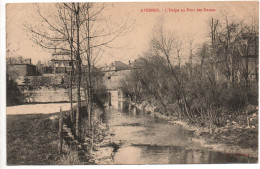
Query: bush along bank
237	135
95	145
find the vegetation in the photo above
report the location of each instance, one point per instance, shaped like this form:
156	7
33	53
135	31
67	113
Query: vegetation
13	94
33	140
81	30
213	86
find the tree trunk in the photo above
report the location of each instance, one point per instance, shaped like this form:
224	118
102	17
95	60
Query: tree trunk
79	73
89	71
71	98
247	72
72	69
256	65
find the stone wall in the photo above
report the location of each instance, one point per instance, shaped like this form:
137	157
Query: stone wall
49	94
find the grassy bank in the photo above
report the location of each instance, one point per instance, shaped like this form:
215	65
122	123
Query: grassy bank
236	140
233	137
33	140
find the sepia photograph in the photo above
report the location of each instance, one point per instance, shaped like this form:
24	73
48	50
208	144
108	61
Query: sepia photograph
111	83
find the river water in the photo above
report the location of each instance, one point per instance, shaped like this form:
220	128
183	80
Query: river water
146	139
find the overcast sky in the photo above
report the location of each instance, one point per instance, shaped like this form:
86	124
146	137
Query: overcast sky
136	40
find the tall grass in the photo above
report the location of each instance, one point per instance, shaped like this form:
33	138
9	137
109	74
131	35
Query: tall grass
33	140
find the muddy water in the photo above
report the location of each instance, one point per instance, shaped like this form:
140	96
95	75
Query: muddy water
146	139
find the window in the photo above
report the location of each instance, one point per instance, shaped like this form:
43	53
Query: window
70	63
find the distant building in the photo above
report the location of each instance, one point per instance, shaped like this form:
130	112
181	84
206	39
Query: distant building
243	64
115	76
116	66
17	67
61	62
239	69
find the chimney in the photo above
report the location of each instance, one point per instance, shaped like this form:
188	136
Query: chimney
30	61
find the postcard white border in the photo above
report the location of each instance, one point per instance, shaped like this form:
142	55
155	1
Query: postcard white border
3	101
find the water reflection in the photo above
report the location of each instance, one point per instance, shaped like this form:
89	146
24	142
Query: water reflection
149	140
172	155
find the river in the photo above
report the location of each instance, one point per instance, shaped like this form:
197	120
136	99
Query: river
146	139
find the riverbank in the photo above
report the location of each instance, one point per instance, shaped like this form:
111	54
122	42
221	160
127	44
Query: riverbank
232	139
96	144
102	151
33	138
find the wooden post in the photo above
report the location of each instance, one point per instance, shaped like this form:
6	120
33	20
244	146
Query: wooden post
77	123
247	119
72	115
60	130
93	135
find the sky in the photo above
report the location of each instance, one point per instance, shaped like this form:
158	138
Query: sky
135	41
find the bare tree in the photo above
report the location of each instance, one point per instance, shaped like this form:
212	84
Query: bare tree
227	38
81	30
163	46
178	46
191	48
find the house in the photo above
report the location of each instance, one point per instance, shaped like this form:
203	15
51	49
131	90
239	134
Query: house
116	66
17	67
115	75
61	62
244	62
239	69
